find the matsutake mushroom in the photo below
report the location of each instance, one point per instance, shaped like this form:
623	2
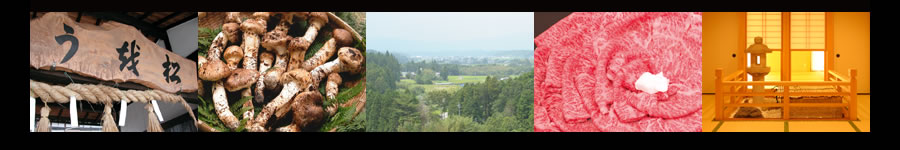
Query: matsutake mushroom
331	87
291	81
240	78
349	60
232	26
274	41
307	107
252	28
265	59
300	45
328	50
233	56
232	31
214	70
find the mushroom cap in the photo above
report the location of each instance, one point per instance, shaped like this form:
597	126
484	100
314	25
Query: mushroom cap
234	54
342	37
298	44
318	16
266	58
287	18
255	25
307	108
262	15
351	58
272	77
240	78
275	40
214	70
201	61
303	15
297	75
335	77
232	31
233	17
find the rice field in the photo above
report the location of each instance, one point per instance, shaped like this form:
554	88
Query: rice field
453	84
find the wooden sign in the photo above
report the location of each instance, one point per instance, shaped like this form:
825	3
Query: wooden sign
109	52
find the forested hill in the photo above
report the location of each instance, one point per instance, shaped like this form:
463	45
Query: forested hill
492	105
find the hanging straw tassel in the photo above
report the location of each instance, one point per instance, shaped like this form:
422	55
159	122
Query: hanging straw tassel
153	122
109	124
44	124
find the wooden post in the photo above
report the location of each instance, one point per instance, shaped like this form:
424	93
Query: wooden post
785	103
719	98
853	95
742	43
829	42
786	46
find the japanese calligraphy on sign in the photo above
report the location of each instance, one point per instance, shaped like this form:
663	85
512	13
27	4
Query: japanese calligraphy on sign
68	38
169	65
132	54
110	52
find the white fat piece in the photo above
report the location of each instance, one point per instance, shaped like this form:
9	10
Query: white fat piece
651	83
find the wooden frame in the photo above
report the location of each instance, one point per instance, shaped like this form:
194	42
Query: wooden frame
734	86
786	49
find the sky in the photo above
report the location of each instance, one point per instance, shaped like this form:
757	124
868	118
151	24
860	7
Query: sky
410	32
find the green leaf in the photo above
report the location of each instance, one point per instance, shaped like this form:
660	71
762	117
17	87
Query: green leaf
244	109
340	118
237	105
241	127
205	37
256	111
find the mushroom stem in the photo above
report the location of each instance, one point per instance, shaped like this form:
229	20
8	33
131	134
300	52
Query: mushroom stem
265	64
321	56
316	21
331	88
289	128
248	113
260	86
216	47
281	61
297	48
222	108
290	89
251	49
265	61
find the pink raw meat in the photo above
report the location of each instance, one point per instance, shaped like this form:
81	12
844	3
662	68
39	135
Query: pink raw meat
587	63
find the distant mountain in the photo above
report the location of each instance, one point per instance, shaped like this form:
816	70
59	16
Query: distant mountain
515	53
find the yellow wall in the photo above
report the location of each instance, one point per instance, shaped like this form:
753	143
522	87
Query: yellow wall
721	36
851	40
720	40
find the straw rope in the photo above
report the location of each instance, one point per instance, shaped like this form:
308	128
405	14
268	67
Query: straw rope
102	94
